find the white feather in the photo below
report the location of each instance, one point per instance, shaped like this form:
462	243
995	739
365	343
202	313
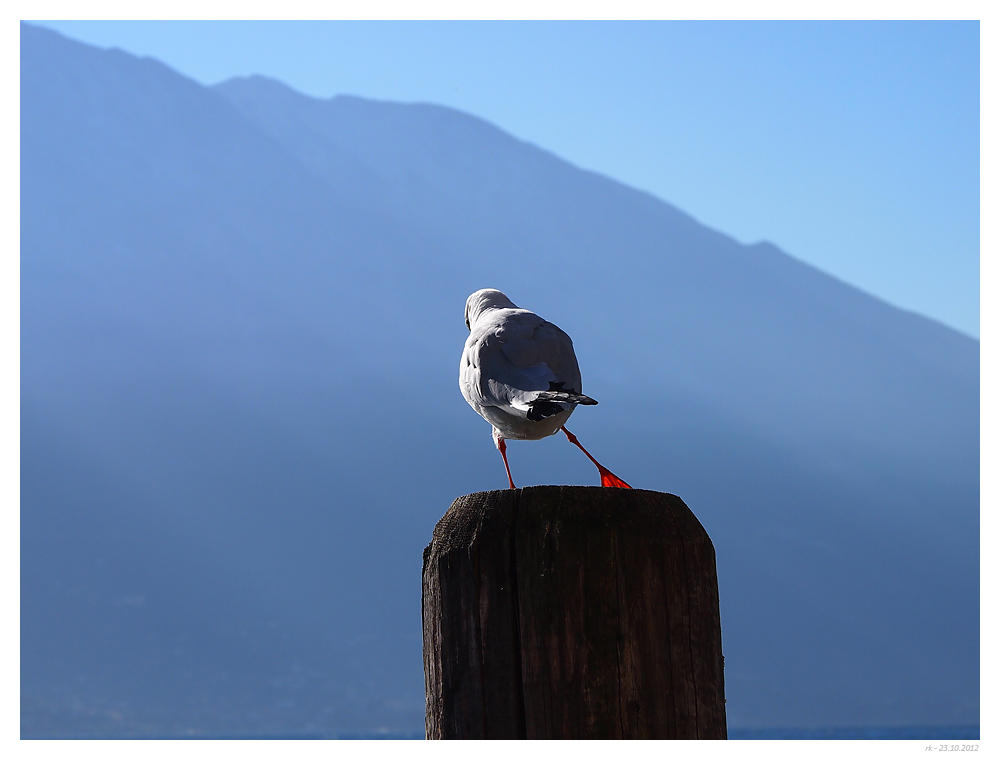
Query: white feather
511	357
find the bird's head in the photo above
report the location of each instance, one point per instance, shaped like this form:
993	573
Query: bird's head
484	300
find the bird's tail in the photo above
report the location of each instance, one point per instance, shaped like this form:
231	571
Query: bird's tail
549	403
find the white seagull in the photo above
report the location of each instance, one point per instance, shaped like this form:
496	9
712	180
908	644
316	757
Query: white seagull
520	373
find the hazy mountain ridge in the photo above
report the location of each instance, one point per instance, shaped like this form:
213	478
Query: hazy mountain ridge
762	277
241	323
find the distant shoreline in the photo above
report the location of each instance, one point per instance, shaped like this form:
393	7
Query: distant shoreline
896	733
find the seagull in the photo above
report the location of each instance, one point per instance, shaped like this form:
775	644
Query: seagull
520	374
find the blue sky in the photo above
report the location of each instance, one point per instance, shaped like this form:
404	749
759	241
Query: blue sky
852	146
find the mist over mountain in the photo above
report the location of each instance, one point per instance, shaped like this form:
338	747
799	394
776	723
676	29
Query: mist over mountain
241	321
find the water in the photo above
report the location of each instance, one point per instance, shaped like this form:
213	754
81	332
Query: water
922	733
927	733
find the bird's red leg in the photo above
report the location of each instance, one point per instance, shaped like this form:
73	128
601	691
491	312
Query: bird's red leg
608	478
502	445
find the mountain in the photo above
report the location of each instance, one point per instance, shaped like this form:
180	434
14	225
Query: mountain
241	320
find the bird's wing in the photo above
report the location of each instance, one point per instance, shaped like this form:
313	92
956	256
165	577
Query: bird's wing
508	362
540	352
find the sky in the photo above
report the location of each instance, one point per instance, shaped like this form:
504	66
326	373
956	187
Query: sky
853	146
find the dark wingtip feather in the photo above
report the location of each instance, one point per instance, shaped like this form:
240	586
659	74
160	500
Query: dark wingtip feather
566	397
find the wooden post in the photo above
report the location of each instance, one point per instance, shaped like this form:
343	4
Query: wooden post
571	612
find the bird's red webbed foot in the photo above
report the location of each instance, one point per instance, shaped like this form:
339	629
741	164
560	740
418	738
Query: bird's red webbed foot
608	478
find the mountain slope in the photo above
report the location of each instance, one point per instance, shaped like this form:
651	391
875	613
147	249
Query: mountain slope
241	323
470	182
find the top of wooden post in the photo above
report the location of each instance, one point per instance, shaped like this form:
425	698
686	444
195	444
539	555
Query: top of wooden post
665	513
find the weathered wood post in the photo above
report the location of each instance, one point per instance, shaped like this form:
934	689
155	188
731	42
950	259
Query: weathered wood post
571	612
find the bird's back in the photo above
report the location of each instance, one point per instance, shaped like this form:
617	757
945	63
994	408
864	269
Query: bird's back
510	356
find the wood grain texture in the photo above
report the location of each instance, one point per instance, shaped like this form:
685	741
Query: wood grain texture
572	612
